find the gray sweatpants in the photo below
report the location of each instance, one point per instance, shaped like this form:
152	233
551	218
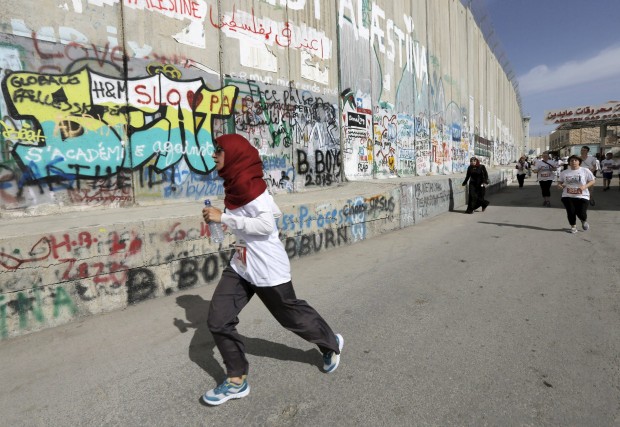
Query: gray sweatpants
233	293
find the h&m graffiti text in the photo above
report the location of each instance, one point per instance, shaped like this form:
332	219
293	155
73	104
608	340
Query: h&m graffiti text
92	123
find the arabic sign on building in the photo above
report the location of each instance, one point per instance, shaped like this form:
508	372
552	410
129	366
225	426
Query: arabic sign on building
610	110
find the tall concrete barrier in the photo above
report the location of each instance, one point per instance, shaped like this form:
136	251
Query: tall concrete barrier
363	114
67	269
111	104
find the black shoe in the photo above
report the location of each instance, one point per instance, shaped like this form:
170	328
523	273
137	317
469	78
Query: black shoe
469	212
484	208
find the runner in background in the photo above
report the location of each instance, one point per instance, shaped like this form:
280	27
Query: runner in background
608	165
591	163
545	172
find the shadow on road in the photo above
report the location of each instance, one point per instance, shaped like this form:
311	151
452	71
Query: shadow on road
202	346
531	227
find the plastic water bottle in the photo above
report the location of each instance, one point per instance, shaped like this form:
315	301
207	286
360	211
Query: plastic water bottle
215	228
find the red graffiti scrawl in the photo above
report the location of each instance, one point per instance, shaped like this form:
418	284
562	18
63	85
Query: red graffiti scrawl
40	251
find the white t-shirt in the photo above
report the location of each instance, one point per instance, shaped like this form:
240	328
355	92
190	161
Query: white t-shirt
259	256
522	168
545	170
573	179
591	163
607	165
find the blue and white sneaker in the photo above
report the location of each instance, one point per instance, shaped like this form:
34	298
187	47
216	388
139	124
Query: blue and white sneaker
331	359
226	391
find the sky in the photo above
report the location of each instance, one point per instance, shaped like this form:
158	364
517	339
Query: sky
564	53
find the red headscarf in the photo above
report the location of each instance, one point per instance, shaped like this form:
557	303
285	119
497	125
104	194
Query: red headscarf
242	172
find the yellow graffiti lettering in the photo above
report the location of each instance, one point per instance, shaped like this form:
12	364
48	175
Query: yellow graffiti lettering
82	116
25	134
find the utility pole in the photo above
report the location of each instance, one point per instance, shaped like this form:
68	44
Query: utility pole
526	133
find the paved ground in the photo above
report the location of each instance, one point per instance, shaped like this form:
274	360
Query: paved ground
499	318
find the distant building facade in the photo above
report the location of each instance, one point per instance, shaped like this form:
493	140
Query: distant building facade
612	141
538	144
570	141
596	126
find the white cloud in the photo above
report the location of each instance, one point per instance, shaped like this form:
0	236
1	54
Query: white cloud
542	78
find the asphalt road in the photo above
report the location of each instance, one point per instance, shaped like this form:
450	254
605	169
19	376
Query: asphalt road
499	318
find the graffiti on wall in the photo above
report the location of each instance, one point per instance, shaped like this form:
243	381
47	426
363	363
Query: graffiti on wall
91	266
157	125
89	125
295	131
386	144
39	306
413	132
431	198
87	122
94	266
259	36
358	139
406	154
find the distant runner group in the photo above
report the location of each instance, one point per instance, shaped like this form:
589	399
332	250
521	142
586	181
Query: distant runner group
575	176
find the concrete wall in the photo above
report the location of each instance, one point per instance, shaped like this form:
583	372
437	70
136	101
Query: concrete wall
109	107
57	271
115	103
